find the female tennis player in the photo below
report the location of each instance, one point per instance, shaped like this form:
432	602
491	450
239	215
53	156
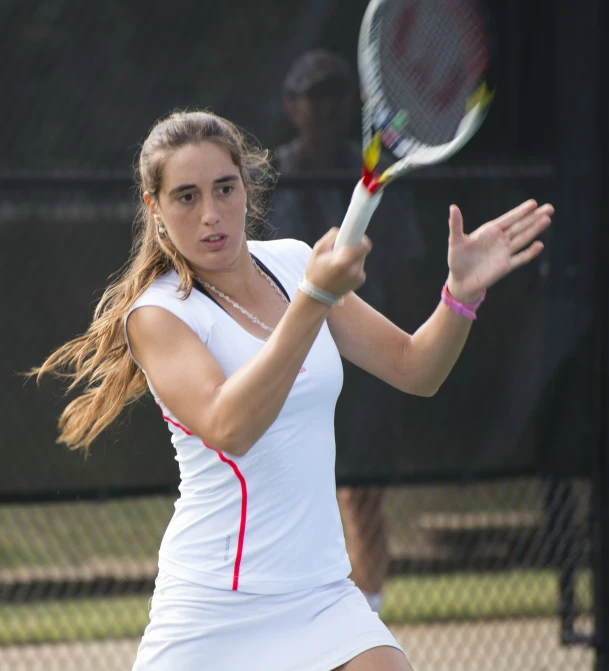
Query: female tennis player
240	343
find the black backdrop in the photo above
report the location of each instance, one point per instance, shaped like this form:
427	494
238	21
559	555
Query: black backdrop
521	399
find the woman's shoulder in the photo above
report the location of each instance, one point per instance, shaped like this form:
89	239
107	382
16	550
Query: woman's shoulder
166	285
165	292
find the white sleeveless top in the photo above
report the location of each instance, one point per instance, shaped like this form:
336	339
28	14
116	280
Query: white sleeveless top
266	522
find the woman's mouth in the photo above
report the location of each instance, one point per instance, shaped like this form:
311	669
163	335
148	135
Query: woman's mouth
216	241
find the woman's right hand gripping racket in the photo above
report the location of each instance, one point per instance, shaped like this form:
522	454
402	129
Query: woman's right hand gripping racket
424	68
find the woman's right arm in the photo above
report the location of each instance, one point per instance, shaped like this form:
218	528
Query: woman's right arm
231	414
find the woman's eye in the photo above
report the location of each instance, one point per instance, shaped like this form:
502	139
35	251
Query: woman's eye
187	198
226	189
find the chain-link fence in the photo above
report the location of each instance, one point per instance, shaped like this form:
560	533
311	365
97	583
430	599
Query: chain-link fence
482	577
473	513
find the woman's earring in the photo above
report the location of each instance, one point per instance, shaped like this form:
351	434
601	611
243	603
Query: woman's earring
161	230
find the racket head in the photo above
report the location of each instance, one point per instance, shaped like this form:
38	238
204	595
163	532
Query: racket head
426	76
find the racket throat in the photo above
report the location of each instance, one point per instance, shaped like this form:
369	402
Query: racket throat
370	180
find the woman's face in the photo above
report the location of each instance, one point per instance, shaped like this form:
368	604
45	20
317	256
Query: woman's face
202	203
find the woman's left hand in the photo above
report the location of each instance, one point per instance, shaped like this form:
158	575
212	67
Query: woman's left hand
480	259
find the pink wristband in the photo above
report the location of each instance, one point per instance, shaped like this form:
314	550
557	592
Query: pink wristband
463	309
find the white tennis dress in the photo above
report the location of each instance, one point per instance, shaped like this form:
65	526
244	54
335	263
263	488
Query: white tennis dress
253	569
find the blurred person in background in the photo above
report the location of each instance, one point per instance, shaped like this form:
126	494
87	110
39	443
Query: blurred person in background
319	98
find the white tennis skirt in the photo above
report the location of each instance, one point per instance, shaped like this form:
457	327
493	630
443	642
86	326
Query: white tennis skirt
196	628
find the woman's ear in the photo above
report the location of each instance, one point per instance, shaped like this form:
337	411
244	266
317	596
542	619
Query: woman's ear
153	206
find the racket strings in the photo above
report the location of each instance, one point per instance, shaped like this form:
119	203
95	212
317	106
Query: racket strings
431	60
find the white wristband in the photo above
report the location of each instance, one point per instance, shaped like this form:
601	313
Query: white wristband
307	287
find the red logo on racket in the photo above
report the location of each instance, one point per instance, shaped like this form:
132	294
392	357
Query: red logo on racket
438	91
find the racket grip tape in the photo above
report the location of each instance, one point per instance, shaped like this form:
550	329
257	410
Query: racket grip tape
360	211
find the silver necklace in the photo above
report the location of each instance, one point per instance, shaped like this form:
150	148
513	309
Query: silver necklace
236	305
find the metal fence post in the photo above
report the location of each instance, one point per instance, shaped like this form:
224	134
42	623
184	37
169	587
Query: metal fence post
600	500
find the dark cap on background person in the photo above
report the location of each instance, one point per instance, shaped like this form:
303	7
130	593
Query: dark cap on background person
315	67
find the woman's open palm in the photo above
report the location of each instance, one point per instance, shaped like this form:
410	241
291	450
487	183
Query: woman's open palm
480	259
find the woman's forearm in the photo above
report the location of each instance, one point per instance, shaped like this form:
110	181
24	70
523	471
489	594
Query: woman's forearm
248	402
434	349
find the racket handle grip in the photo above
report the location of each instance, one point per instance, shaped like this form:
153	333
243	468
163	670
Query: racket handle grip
360	211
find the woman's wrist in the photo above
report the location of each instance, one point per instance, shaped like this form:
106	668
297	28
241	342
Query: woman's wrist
461	294
321	295
462	308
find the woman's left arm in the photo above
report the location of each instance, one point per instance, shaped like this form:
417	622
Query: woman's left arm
419	363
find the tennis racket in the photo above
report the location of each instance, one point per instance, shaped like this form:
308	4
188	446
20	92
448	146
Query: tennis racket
424	68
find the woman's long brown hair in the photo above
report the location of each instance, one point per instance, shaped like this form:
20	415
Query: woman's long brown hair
100	360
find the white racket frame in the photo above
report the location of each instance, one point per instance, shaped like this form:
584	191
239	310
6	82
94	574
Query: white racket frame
412	153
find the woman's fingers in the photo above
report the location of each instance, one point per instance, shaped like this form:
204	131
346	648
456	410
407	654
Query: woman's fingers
527	255
527	234
349	254
509	218
326	244
338	270
327	240
455	224
531	219
524	231
353	257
